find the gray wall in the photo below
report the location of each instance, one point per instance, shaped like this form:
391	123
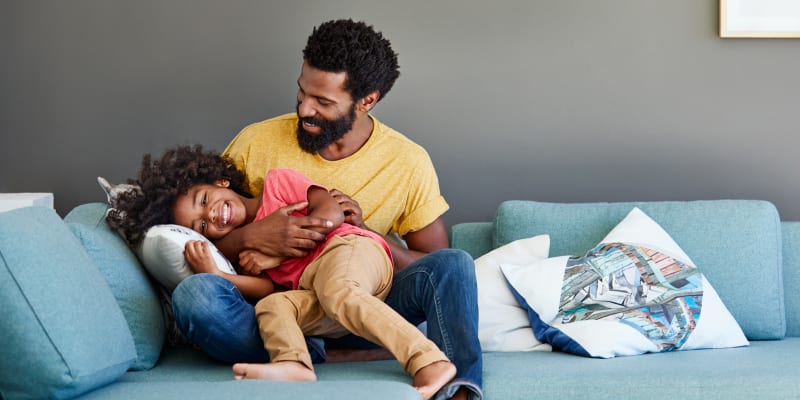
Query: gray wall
570	101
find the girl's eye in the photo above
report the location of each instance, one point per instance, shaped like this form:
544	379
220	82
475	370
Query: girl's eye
205	199
203	227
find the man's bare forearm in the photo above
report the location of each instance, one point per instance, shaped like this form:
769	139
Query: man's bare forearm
401	255
233	244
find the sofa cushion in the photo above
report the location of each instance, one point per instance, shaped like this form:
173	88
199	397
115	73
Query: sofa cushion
132	288
763	370
791	275
475	238
61	328
721	235
504	324
636	292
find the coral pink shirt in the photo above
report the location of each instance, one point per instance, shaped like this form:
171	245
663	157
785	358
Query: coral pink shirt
281	188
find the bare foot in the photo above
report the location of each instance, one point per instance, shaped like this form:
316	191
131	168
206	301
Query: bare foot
432	377
277	371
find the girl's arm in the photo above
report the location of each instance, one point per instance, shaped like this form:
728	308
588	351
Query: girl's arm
322	205
254	262
200	260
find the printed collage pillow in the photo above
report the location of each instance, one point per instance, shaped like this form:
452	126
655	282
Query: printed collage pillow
636	292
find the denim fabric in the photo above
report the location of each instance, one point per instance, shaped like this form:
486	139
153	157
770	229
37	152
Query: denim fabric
212	314
439	288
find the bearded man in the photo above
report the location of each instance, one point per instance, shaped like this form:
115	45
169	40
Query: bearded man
384	182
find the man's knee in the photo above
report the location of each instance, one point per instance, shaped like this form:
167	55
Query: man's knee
455	263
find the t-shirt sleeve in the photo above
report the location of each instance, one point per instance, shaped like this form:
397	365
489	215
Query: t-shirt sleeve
425	201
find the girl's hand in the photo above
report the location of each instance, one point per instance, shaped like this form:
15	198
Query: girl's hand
252	262
199	257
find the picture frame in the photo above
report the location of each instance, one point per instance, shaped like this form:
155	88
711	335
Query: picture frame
759	18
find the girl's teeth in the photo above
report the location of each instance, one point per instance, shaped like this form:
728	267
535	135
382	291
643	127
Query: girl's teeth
226	214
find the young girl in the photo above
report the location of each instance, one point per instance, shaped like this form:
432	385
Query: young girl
340	284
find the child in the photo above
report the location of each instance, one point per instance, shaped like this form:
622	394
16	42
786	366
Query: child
342	283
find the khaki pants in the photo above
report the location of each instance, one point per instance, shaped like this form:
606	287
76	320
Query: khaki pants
342	290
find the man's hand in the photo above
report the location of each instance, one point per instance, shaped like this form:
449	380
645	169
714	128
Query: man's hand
281	234
430	238
199	257
253	262
352	211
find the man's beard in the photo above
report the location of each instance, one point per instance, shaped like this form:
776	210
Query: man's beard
330	131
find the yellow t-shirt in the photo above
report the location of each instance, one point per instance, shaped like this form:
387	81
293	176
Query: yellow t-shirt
391	177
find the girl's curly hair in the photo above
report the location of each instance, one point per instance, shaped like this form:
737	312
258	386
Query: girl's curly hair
161	181
357	49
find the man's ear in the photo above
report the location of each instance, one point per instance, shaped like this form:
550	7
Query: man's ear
367	102
222	183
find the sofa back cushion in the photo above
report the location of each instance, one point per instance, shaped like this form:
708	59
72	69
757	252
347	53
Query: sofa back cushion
790	231
62	333
133	289
721	237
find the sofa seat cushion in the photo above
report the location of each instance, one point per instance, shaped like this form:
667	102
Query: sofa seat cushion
720	235
133	290
61	330
252	389
184	373
764	370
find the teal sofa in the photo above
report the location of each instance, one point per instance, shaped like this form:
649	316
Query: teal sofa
83	320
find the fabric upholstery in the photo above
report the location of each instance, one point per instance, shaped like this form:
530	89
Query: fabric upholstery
132	287
791	275
61	328
721	236
636	292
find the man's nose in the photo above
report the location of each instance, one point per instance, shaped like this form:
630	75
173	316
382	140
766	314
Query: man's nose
305	109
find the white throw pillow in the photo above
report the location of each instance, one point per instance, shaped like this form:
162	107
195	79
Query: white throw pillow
636	292
162	249
503	324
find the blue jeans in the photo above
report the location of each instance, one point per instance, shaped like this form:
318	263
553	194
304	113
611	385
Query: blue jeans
439	288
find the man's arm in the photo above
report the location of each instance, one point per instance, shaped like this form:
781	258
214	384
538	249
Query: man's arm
430	238
280	234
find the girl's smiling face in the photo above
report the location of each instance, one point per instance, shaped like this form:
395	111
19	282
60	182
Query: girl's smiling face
213	210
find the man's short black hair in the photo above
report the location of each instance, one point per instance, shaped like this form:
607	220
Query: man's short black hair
357	49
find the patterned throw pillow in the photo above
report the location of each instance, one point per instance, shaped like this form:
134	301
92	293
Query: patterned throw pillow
636	292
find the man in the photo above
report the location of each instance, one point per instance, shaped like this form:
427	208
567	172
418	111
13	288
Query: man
383	181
